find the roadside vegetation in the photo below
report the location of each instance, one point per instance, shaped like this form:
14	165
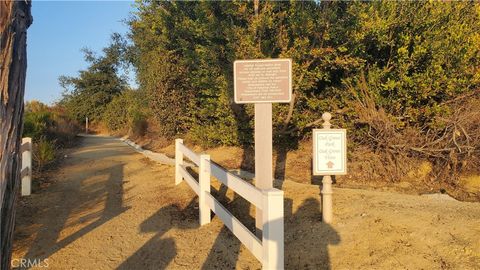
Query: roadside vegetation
402	77
50	131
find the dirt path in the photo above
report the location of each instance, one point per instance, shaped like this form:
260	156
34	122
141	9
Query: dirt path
109	207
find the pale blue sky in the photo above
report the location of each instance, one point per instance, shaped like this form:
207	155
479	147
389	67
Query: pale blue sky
59	30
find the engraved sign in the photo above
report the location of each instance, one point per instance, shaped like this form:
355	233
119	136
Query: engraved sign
263	81
329	151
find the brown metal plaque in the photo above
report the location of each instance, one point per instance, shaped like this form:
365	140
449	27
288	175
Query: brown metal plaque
263	81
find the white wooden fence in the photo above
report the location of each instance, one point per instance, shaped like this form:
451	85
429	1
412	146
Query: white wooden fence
26	172
270	249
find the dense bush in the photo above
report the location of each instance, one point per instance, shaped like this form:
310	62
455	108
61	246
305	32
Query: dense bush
37	119
127	112
119	111
50	129
415	55
388	70
44	152
139	124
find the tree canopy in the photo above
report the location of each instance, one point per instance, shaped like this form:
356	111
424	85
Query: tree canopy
413	56
88	94
399	75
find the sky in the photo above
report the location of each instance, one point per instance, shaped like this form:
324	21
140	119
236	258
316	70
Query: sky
59	31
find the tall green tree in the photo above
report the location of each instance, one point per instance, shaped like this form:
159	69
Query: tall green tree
88	94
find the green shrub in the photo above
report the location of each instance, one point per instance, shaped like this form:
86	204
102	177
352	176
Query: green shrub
63	130
49	129
43	153
48	122
127	113
138	124
115	116
36	123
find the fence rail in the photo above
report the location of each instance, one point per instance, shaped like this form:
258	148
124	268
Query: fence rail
189	179
241	187
190	154
270	249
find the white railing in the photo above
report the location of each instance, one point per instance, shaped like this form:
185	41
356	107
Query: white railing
270	249
26	171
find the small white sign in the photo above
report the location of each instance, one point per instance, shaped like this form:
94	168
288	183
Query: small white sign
329	151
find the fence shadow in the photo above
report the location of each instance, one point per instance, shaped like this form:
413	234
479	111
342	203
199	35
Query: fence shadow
78	198
223	255
158	252
307	238
226	248
282	145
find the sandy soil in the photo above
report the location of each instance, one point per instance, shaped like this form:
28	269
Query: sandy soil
109	207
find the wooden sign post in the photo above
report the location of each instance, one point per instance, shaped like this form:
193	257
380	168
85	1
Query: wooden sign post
86	125
263	82
329	158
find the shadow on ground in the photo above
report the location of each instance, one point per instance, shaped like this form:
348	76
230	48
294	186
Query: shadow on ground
148	257
70	204
306	237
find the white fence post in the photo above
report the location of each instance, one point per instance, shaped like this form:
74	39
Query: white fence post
26	171
272	231
204	184
178	161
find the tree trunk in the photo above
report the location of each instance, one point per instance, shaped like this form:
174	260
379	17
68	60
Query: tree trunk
15	18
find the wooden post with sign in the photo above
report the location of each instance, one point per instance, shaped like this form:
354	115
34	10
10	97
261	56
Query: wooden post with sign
263	82
263	154
329	158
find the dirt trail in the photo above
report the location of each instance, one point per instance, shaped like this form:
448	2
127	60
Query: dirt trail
110	208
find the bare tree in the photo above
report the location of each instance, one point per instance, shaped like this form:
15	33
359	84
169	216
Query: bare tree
15	18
